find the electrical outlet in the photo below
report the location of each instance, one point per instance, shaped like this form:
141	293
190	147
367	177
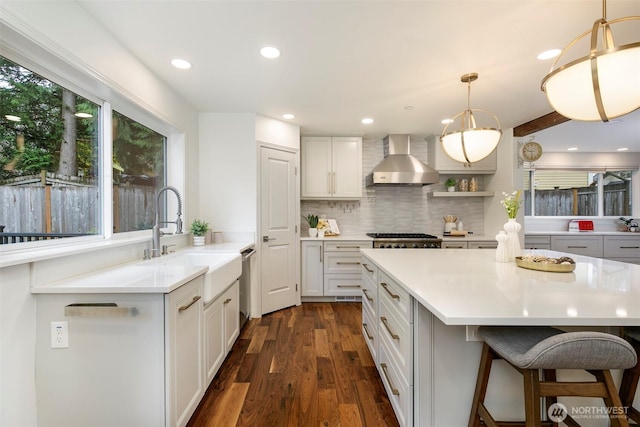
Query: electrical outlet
472	333
60	334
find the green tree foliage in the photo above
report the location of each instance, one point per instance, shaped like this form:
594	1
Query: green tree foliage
33	143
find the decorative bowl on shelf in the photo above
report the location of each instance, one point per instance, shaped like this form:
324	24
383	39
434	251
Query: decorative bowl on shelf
545	266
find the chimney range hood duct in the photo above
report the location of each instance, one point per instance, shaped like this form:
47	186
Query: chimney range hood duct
399	167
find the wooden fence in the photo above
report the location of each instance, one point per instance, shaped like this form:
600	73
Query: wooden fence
580	201
71	210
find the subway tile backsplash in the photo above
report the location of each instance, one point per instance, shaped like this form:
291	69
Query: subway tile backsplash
398	208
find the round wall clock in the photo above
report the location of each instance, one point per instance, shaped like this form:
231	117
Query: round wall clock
530	151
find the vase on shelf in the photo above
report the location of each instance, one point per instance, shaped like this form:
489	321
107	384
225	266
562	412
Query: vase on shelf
512	227
502	254
313	232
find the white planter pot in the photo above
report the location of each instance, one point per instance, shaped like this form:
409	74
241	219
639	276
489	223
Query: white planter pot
313	232
198	240
451	189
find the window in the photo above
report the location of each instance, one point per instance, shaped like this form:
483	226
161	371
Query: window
577	193
138	172
50	163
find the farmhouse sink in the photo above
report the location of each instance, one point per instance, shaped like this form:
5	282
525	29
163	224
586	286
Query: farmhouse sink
224	268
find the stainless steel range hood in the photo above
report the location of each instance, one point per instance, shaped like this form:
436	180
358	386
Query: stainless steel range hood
399	167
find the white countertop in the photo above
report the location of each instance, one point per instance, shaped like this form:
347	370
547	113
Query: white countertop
468	238
158	275
581	233
468	287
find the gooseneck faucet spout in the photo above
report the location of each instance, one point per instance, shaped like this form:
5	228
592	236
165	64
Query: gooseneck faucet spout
155	251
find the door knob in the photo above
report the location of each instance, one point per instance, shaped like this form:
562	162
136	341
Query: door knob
267	238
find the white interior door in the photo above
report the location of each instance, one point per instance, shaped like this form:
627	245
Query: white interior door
278	221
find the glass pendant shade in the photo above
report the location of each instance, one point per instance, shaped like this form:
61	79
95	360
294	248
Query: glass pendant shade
470	143
600	86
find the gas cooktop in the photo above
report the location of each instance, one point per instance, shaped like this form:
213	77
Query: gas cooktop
405	241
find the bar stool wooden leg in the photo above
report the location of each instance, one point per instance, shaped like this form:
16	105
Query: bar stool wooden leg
531	397
629	386
477	406
550	375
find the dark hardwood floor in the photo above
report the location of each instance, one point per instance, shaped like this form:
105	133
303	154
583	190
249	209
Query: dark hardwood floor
301	366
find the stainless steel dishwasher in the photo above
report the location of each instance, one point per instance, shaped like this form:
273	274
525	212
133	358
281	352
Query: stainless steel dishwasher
246	284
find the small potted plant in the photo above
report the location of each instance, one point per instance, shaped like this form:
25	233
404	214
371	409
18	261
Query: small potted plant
629	223
312	220
450	183
198	229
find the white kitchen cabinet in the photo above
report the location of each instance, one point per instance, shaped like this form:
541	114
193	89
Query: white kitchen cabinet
591	245
312	280
343	268
440	161
370	305
395	351
222	327
471	244
331	168
623	248
184	352
537	242
332	268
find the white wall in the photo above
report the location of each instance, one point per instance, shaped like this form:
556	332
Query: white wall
33	34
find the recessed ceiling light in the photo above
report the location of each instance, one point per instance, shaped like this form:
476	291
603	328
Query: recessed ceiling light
83	115
270	52
288	116
181	63
623	149
12	118
367	121
548	54
572	148
446	121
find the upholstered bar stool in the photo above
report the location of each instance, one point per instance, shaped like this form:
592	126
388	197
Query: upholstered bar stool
630	377
531	349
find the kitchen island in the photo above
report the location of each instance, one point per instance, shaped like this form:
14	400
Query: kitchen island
427	343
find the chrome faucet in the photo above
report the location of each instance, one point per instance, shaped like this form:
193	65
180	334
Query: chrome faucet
155	251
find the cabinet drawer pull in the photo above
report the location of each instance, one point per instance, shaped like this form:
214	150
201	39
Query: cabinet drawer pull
99	309
394	390
348	262
193	301
577	247
486	247
629	247
227	301
348	286
348	247
394	336
366	330
366	267
366	294
329	189
385	286
455	246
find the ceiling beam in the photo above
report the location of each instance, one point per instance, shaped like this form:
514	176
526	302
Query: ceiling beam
541	123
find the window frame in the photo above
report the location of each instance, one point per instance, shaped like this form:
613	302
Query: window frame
88	84
600	192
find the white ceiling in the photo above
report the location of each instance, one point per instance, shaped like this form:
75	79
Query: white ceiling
398	62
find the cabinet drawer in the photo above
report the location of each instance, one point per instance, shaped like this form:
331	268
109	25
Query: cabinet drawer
454	245
346	246
370	330
370	294
396	296
622	247
343	284
485	244
400	393
579	245
398	336
369	270
336	262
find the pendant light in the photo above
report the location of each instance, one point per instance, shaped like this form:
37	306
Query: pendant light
470	143
602	85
